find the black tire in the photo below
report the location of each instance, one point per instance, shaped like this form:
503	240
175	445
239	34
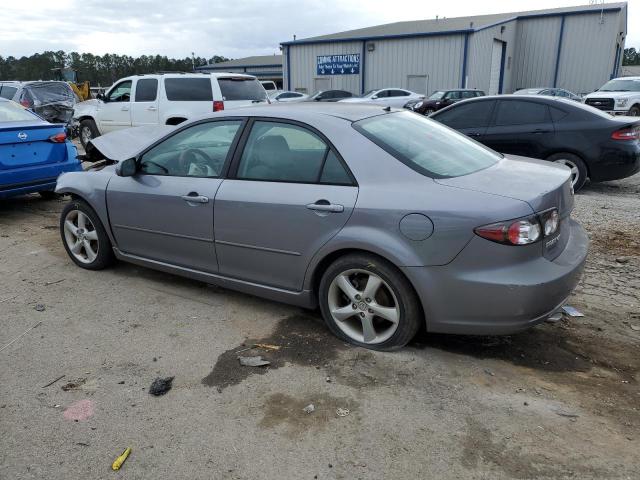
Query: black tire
429	111
105	256
634	111
411	316
49	195
88	131
564	157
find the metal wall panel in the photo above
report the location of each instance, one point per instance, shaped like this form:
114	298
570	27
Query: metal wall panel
394	61
479	56
303	66
588	51
535	56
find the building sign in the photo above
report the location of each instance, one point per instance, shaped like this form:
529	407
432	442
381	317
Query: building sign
338	64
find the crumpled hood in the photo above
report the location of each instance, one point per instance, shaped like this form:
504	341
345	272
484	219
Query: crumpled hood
539	183
127	143
85	107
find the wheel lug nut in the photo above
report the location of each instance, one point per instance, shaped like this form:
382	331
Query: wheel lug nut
354	306
358	297
370	310
368	300
362	314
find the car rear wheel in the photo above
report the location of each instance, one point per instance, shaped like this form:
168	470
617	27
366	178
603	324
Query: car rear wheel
634	111
84	238
88	131
577	166
366	301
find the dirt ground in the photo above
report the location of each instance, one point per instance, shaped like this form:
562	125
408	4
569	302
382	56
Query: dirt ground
559	401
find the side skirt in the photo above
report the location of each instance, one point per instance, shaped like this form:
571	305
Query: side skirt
304	298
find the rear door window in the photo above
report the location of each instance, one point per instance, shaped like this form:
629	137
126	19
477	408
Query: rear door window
7	92
241	88
188	89
398	93
146	90
518	112
466	115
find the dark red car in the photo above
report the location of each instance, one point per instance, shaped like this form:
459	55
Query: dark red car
441	99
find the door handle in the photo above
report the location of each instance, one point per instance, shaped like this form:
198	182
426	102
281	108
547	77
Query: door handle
125	108
193	197
539	130
325	206
152	108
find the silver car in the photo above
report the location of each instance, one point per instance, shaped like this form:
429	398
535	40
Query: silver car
384	219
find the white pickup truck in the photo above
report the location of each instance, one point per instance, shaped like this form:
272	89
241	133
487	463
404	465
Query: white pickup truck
164	99
619	96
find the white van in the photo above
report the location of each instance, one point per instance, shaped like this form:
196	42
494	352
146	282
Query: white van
164	99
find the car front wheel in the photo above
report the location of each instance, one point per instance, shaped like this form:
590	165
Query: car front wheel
366	301
634	111
83	236
88	131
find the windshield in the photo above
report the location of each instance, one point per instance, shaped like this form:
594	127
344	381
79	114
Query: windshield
621	86
12	112
436	95
241	88
427	146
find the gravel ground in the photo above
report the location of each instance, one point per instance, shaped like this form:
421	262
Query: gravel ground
558	401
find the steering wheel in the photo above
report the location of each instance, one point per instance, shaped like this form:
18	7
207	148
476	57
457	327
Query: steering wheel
195	162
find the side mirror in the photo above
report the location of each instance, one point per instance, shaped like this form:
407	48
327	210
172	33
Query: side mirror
126	168
375	97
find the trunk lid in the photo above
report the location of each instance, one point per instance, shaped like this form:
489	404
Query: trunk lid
542	185
25	145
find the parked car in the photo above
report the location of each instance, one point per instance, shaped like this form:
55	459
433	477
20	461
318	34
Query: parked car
383	218
51	100
329	96
441	99
592	144
165	99
33	152
286	96
620	96
390	97
550	92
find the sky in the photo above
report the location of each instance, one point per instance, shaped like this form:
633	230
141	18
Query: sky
232	29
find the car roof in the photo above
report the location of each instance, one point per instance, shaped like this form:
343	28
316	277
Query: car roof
351	112
186	75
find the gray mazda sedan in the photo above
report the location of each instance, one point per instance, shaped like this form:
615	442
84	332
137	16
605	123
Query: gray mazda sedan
383	218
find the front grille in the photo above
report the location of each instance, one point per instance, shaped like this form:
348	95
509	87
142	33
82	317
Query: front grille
600	103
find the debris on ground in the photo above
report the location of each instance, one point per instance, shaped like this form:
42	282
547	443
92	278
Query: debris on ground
267	346
160	386
622	260
80	410
309	408
489	372
39	307
564	413
256	361
342	412
75	385
20	336
571	311
46	284
635	328
53	381
117	463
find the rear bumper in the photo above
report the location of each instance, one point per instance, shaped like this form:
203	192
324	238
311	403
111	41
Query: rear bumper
618	159
37	178
470	296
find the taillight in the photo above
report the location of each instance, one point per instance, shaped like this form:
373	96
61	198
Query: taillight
522	231
218	105
632	133
58	137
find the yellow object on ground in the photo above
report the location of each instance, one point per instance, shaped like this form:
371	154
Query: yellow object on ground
117	463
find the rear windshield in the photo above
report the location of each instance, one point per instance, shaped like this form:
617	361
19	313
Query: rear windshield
188	89
240	88
12	112
426	146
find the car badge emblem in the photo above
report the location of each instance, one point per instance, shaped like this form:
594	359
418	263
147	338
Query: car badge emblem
22	136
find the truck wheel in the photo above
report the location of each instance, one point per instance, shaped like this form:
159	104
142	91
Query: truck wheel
634	111
88	131
578	168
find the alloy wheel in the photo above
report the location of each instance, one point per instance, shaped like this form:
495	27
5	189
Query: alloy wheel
85	135
81	236
363	306
575	172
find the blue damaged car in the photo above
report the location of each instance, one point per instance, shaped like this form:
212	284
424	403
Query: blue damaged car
33	152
